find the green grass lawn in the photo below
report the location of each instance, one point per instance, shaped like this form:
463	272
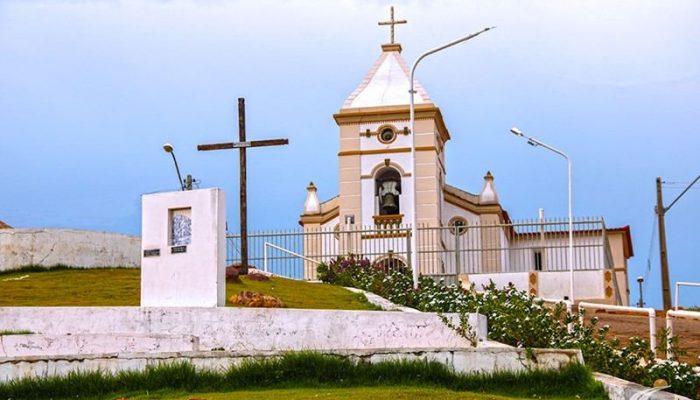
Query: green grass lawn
121	287
361	393
305	375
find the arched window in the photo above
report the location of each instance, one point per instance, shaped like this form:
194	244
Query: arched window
388	191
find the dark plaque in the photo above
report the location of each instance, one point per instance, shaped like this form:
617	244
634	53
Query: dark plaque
178	249
151	253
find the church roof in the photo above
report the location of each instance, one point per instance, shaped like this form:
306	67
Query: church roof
386	83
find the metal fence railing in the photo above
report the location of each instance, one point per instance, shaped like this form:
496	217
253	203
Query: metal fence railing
447	251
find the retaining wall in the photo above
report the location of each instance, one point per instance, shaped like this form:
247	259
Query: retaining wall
253	329
483	360
76	248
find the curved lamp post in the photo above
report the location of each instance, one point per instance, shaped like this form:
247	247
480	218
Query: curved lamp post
534	142
169	149
412	113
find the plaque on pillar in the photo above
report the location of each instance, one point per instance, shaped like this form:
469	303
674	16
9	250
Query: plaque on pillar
183	243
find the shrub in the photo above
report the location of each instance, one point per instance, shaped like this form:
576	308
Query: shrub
519	319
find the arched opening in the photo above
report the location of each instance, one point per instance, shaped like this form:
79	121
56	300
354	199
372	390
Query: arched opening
390	263
388	191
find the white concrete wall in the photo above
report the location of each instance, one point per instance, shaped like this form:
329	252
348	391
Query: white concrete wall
620	389
54	345
587	284
248	328
519	279
588	253
550	285
196	277
76	248
467	361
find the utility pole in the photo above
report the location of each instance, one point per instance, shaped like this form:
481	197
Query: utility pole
661	213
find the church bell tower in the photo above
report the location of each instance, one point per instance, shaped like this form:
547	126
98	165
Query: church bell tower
374	158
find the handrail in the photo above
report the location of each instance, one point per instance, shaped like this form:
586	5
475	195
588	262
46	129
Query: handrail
669	326
649	311
282	249
693	284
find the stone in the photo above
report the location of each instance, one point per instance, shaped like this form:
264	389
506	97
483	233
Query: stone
660	383
254	276
254	299
239	267
232	275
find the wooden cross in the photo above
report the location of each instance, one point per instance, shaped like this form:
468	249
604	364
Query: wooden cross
392	22
241	146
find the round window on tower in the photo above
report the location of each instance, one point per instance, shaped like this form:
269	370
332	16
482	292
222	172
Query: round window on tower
386	134
458	226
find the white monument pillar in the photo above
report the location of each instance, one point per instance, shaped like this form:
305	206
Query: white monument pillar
183	243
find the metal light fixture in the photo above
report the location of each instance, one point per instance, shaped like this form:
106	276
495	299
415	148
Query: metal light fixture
640	280
169	149
412	123
534	142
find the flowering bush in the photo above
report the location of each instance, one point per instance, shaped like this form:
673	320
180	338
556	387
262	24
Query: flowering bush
356	271
518	319
680	376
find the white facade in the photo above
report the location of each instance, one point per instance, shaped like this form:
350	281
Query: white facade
459	233
184	249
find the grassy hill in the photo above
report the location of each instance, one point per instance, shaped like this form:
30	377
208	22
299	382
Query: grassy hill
121	287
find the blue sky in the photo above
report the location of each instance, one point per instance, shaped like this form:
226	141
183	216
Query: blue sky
89	91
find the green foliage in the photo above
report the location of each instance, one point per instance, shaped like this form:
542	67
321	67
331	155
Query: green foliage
358	272
519	319
680	376
306	369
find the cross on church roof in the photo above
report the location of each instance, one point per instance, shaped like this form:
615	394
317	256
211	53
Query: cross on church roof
392	22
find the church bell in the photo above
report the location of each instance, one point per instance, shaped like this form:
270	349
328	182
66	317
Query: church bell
389	204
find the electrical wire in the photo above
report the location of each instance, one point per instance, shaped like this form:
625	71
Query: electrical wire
651	249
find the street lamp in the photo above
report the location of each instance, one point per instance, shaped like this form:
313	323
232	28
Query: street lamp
640	280
412	113
169	149
534	142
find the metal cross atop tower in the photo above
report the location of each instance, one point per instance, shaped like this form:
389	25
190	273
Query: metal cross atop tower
392	22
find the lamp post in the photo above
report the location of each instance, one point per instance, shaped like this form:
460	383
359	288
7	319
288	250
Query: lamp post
412	122
534	142
640	280
169	149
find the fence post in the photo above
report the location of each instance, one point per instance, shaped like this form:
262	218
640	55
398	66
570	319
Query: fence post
408	249
669	336
265	257
458	264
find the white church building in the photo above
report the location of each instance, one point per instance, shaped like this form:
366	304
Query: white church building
461	235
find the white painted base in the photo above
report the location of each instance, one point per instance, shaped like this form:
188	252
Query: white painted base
254	329
480	360
92	343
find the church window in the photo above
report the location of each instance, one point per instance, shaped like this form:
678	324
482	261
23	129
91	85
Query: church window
388	191
458	226
538	259
386	134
